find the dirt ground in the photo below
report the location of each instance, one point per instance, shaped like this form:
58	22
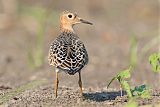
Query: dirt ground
108	45
43	97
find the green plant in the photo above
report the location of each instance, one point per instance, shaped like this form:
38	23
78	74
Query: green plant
36	53
142	91
121	78
154	60
36	57
41	17
133	51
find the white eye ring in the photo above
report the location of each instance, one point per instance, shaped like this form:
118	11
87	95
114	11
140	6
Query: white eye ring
70	16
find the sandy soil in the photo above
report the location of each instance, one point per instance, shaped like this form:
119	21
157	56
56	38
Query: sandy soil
70	97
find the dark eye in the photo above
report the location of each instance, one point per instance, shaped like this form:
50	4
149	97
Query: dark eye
70	16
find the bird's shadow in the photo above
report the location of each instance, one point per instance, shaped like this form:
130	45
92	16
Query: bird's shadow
102	96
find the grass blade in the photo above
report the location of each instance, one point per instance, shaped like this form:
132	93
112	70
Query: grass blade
111	81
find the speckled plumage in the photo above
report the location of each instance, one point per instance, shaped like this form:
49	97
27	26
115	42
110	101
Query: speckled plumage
68	53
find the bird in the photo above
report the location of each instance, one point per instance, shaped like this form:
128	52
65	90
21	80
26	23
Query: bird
67	53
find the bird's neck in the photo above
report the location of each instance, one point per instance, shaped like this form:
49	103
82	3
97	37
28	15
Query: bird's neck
66	28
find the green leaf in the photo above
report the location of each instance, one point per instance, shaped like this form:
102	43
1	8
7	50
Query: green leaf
121	76
142	91
125	74
141	88
127	88
155	62
121	79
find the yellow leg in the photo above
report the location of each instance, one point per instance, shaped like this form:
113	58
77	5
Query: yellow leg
56	84
80	84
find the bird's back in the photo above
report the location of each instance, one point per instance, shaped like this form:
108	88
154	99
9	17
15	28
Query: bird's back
68	53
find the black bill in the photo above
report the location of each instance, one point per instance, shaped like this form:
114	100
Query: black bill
87	22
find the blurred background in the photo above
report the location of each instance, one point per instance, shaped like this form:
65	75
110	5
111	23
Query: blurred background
124	32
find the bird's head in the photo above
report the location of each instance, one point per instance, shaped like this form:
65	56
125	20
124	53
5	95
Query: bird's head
69	19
